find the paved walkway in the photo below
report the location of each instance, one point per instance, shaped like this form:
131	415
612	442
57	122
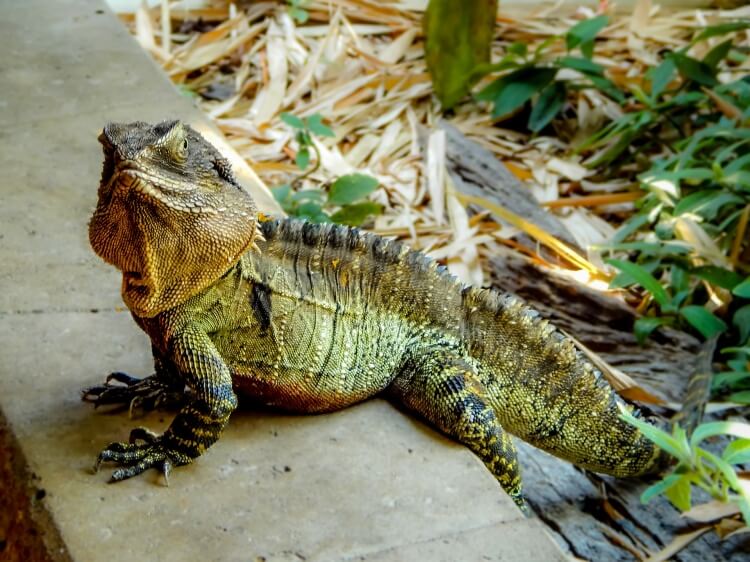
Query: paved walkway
364	484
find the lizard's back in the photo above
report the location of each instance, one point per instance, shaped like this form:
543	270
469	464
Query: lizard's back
334	315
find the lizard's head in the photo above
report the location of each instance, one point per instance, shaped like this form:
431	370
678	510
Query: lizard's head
171	216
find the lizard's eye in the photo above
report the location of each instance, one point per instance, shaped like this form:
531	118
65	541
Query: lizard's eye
181	151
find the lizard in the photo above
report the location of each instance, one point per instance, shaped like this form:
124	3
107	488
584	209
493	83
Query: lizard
312	318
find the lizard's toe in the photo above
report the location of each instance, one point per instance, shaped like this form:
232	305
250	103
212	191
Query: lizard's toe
136	395
135	458
124	378
143	434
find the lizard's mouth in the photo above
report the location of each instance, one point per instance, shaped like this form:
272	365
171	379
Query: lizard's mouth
134	278
108	167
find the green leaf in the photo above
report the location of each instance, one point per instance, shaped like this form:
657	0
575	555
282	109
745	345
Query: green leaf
737	452
293	121
740	397
661	76
743	289
458	39
660	487
741	321
578	63
315	195
729	378
703	320
717	276
519	48
711	429
303	158
727	471
721	29
630	226
737	164
644	278
717	54
678	278
606	85
300	15
281	192
643	327
350	188
310	210
705	203
513	90
679	493
316	126
547	106
744	505
357	213
693	69
584	32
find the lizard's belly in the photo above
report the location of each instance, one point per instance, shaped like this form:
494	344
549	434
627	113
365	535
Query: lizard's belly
310	360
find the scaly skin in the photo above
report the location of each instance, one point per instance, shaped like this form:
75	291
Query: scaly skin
314	318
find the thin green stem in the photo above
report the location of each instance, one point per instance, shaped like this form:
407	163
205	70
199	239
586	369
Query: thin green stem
314	169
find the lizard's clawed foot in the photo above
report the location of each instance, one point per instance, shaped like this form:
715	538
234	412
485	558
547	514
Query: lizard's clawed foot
137	395
136	457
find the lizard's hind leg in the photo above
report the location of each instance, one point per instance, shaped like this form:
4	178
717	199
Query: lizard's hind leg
444	388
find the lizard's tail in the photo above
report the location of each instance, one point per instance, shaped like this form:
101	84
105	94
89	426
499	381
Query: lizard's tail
547	393
698	389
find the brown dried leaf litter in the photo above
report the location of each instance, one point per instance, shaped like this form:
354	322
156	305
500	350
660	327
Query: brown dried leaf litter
360	64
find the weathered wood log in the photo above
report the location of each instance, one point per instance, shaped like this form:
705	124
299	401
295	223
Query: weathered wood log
475	171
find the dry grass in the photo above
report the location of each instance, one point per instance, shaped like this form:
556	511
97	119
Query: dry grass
360	64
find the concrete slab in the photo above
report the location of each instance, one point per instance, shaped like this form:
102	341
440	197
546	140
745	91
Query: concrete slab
67	57
50	173
367	483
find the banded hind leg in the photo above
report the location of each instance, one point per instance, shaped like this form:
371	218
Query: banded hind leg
444	388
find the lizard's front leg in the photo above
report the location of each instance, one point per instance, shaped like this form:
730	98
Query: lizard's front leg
197	425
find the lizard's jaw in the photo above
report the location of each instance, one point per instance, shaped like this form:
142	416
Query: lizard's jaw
170	214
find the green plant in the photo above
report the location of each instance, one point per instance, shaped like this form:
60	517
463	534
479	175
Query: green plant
296	9
533	77
698	192
697	466
735	382
694	209
684	96
345	200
